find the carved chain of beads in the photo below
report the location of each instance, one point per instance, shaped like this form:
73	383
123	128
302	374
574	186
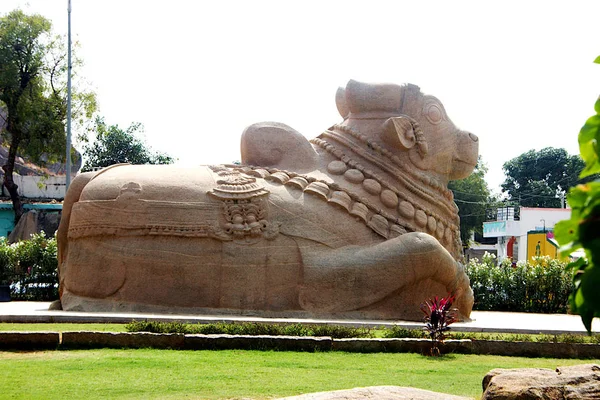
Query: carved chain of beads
419	191
376	185
394	159
380	221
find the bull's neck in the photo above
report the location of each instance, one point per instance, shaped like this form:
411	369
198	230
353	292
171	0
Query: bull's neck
418	202
365	149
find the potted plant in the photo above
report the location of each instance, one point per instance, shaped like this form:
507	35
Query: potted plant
6	271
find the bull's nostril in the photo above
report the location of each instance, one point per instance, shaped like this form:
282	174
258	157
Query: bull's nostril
473	137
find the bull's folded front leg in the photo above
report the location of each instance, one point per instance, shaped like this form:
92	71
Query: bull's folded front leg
387	277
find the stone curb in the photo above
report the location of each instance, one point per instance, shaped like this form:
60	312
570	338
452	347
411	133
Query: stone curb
137	340
29	340
400	345
536	349
85	339
257	342
366	345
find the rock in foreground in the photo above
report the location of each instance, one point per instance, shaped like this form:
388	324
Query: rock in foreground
575	382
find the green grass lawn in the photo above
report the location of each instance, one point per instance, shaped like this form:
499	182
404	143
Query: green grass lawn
173	374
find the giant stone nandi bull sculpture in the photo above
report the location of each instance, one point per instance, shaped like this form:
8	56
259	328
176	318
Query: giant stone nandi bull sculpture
356	223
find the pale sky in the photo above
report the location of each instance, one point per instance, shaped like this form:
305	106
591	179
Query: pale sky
519	74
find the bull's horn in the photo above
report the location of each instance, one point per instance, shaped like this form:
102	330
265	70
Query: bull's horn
341	103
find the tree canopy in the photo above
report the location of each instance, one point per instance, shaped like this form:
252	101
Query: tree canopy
473	198
113	145
33	75
540	178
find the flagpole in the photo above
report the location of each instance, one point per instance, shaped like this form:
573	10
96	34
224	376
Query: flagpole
68	165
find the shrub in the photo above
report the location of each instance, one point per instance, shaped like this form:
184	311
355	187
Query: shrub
35	267
439	314
7	270
249	328
400	332
541	285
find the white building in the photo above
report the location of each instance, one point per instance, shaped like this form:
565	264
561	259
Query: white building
534	223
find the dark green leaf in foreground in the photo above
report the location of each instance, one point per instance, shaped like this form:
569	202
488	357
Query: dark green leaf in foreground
588	145
583	229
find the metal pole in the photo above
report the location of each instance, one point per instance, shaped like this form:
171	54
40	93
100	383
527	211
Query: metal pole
68	178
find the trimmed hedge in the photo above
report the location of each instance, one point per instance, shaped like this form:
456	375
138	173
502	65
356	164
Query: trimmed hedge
541	285
250	328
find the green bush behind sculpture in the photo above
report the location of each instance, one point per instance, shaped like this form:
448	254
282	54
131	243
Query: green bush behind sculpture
30	267
541	285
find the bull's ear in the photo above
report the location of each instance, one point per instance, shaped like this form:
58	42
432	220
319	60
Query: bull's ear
399	133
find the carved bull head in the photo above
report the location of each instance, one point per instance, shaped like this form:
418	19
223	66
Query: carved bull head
411	125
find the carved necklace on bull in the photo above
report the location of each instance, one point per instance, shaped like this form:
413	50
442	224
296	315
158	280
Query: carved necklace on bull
400	214
398	193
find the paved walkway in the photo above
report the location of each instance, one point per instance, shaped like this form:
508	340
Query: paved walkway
482	321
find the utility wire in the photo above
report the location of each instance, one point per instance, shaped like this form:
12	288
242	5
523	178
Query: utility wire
469	202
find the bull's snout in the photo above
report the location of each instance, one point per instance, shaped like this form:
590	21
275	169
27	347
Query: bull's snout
465	158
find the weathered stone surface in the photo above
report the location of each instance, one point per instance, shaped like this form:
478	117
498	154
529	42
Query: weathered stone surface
574	382
85	339
34	221
29	340
400	345
340	226
536	349
257	342
378	392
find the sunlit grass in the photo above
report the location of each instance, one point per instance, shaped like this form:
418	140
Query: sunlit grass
175	374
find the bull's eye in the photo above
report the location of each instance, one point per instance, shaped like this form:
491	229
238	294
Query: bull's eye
434	113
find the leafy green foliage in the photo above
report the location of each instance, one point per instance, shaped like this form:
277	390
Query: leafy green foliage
541	285
473	198
31	266
400	332
540	178
583	229
439	314
113	145
33	76
7	270
249	328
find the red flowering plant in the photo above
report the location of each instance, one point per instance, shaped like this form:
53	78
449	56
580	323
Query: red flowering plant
439	314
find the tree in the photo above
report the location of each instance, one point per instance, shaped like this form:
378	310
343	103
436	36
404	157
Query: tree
113	145
541	178
33	75
473	198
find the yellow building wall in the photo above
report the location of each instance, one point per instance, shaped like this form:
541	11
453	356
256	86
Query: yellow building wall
538	245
